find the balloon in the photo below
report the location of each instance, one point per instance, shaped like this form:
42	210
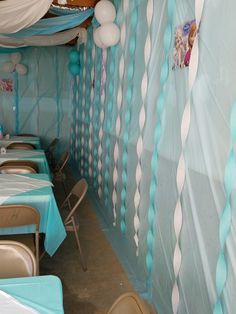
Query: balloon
74	56
74	68
105	12
8	67
21	69
16	57
96	38
109	34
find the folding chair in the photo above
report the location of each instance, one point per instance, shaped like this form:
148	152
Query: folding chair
24	146
49	152
27	163
58	174
16	169
16	260
12	216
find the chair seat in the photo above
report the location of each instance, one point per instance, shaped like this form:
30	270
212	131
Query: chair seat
26	239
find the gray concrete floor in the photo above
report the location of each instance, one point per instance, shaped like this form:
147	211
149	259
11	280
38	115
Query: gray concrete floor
95	290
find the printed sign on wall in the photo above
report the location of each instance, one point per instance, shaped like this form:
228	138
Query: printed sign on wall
184	39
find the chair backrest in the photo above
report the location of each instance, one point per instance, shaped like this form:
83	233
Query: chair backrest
62	162
79	190
25	146
28	163
19	215
16	260
51	147
130	303
17	169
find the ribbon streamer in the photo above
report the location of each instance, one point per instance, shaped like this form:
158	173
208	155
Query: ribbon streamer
226	216
167	39
128	113
119	103
142	120
181	168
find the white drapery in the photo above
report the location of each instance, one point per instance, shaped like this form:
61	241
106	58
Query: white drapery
16	15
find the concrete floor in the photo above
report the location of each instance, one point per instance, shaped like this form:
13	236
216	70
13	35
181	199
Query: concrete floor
95	290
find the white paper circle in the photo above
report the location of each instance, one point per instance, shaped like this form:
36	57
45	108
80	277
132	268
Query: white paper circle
109	34
97	39
105	12
8	67
21	69
16	57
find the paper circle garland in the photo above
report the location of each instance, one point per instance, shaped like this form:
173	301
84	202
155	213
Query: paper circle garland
8	67
74	68
97	39
109	34
21	69
105	12
15	57
74	56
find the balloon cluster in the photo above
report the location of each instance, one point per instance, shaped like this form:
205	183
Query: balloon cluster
15	65
108	34
74	66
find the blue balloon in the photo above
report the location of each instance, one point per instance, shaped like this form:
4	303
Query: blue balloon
74	56
74	68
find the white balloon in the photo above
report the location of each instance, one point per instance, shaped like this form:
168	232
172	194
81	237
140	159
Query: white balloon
97	38
16	57
105	12
21	69
8	67
109	34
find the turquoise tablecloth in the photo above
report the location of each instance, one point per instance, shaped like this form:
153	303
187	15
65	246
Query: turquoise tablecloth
23	139
42	293
37	156
50	220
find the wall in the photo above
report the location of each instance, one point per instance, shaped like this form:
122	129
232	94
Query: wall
126	140
42	102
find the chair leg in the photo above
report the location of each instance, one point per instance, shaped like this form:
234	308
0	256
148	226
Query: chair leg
84	266
64	188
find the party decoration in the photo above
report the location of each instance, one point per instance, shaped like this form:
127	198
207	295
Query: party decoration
108	34
74	56
74	66
6	85
15	65
105	12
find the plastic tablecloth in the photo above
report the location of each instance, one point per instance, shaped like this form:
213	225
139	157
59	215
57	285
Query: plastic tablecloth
42	293
50	220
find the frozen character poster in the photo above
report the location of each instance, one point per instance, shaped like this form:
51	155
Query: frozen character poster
184	39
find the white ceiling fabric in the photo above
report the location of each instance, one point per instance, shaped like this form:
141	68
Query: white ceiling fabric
16	15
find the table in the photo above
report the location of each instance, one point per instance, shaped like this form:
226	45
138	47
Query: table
42	293
41	198
21	139
37	156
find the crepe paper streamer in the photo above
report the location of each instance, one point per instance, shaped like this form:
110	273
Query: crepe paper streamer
74	121
16	106
96	121
102	114
119	101
226	216
57	93
128	112
142	120
87	105
52	25
83	114
77	124
181	168
108	126
15	16
91	111
160	104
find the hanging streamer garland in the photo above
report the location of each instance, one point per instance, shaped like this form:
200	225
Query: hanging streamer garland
77	136
87	106
96	116
157	138
128	98
119	103
110	93
83	113
226	215
57	80
142	120
181	168
91	110
102	113
74	121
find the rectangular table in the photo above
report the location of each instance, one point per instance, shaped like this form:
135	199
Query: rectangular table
41	198
38	156
42	293
21	139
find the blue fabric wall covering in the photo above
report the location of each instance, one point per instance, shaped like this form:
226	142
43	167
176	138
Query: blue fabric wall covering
206	153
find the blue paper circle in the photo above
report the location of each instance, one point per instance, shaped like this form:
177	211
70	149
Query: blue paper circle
74	68
74	56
